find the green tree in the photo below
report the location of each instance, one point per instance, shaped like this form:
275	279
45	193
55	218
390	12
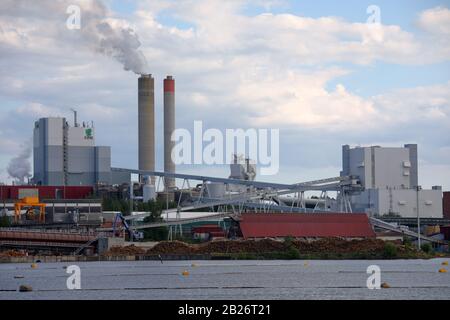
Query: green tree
292	253
407	242
289	241
155	207
427	247
111	204
389	250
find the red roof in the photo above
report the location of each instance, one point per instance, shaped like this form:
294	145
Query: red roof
47	192
207	228
349	225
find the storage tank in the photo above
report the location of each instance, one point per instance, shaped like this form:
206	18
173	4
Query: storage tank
148	192
215	190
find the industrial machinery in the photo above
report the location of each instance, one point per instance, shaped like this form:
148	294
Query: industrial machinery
29	204
133	235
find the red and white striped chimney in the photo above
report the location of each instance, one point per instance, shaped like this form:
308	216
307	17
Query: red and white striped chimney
169	127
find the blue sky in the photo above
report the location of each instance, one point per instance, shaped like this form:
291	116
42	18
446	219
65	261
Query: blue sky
366	80
313	69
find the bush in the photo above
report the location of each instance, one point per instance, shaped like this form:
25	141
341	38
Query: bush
245	256
289	241
427	248
156	234
4	222
156	208
407	242
111	204
390	250
293	253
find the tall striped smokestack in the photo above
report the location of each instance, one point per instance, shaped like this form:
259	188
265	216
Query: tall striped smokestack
169	127
146	125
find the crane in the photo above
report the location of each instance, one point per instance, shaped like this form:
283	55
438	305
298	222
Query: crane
132	234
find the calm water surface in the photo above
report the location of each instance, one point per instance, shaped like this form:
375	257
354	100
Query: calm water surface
409	279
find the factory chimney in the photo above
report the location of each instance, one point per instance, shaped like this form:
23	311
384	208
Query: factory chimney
146	125
169	127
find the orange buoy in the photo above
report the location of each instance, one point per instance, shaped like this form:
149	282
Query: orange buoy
442	270
385	285
185	273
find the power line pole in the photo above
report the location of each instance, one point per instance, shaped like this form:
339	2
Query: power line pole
418	188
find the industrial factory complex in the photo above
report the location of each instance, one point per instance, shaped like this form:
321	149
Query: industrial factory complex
66	206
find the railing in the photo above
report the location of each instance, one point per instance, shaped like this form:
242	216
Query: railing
37	244
82	247
63	231
398	229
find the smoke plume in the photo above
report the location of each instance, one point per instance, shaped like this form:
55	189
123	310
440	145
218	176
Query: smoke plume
112	37
19	167
123	45
99	30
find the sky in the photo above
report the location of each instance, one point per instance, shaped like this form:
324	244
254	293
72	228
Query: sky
315	70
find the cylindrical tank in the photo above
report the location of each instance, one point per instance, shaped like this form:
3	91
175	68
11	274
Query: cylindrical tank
169	127
215	190
148	192
146	122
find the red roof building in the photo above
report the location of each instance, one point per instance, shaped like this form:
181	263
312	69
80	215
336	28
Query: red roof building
446	204
306	225
47	192
445	230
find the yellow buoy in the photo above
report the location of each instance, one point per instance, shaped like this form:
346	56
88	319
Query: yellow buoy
306	264
185	273
445	263
33	266
193	265
384	285
442	270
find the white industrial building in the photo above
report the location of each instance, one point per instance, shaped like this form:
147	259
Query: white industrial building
67	155
389	177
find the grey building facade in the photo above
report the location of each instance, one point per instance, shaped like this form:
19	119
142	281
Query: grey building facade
67	155
389	176
381	167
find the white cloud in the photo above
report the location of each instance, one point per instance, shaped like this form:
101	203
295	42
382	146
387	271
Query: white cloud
220	28
37	110
435	20
428	103
272	70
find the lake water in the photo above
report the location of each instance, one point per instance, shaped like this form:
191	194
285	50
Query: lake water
409	279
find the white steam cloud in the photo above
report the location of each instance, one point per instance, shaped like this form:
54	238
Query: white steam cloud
99	30
19	167
123	45
112	37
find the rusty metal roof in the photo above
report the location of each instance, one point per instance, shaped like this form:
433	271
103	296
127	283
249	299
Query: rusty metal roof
349	225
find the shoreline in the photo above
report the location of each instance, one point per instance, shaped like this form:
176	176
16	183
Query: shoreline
183	257
265	249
